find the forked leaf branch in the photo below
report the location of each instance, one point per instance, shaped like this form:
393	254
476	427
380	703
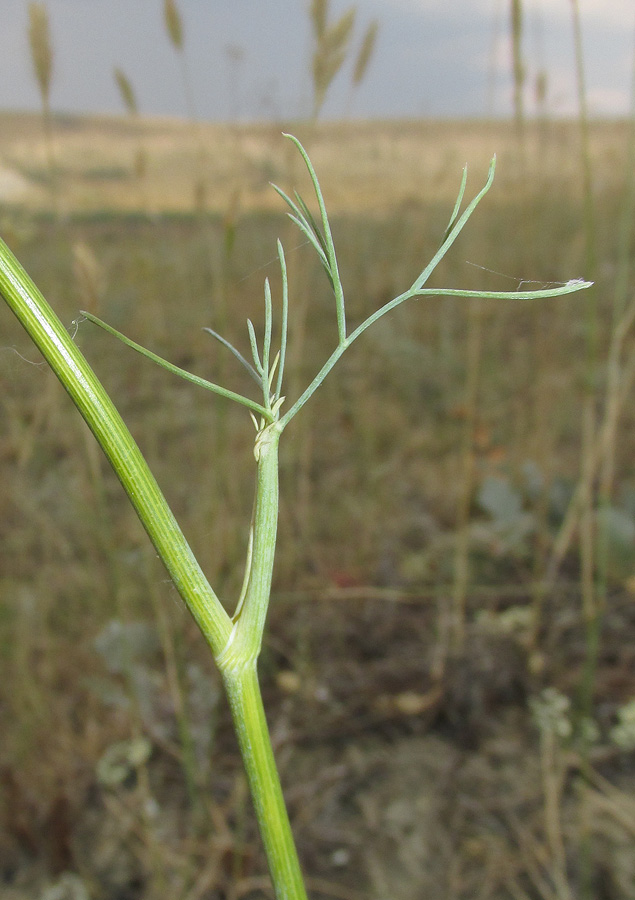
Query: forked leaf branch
319	234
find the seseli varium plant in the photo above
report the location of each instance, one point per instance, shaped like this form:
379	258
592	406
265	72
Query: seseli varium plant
234	639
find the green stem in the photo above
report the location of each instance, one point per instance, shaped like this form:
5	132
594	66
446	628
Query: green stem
249	619
243	692
239	667
103	419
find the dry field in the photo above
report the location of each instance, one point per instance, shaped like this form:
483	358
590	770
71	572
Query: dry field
364	167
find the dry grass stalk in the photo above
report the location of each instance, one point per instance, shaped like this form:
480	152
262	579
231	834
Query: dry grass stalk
41	48
173	23
319	15
42	57
540	91
456	634
623	315
330	52
127	92
591	538
336	38
619	383
365	53
89	276
129	99
174	26
518	66
554	772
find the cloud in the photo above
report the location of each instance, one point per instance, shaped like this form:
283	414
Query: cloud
609	12
456	12
441	57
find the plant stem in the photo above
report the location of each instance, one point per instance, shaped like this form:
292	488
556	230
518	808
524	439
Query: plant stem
249	619
592	540
518	72
243	693
103	419
47	120
239	673
238	668
468	466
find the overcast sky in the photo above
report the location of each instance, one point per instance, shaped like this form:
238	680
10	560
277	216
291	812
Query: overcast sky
251	58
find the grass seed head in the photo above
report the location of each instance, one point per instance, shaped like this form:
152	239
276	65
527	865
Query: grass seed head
173	23
329	55
365	52
126	91
319	15
89	277
41	48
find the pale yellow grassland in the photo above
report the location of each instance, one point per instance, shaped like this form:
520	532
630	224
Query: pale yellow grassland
363	166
